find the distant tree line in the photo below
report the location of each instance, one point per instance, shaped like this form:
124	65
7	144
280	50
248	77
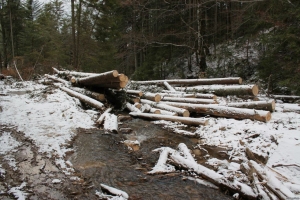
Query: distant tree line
151	39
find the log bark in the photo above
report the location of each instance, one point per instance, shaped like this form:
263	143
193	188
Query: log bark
102	116
223	90
99	78
94	95
85	99
259	105
152	96
224	111
189	100
184	120
179	111
168	86
230	80
57	79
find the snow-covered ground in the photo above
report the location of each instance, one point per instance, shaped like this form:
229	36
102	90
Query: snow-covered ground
49	117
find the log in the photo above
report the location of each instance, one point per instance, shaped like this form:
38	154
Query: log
135	92
146	108
102	116
211	81
111	122
57	79
96	79
223	90
85	99
73	73
189	100
180	95
224	111
180	111
115	85
94	95
165	112
115	191
168	86
152	96
172	92
205	96
132	108
259	105
286	97
184	120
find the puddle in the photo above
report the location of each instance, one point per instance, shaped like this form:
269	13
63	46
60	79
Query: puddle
103	158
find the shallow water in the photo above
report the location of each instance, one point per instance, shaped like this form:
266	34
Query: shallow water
103	158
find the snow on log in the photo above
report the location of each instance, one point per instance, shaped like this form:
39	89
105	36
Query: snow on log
205	96
111	122
57	79
260	188
135	92
172	92
115	191
92	102
179	95
189	100
73	73
132	108
115	85
223	90
99	78
224	111
286	97
229	80
165	112
94	95
259	105
184	120
152	96
161	165
180	111
146	108
137	105
102	116
168	86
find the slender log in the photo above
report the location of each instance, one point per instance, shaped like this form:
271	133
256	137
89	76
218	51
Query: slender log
152	97
223	90
146	108
132	108
165	112
172	92
259	105
189	100
57	79
286	97
180	111
184	120
135	92
260	188
168	86
96	79
134	99
179	95
73	73
94	95
224	111
115	85
111	122
205	96
230	80
88	100
102	116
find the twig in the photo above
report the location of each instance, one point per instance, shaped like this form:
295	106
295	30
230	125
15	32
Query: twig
283	165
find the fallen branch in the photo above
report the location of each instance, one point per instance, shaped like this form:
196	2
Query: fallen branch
115	191
111	122
57	79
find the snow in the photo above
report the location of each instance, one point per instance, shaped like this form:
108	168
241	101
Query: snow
17	192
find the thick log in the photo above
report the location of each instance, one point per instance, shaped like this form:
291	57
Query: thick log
259	105
115	85
224	111
223	90
99	78
189	100
94	95
211	81
57	79
102	116
111	122
180	111
135	92
73	73
152	96
184	120
168	86
85	99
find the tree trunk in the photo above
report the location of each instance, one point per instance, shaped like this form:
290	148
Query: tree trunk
73	73
189	100
233	80
100	78
223	90
152	97
224	111
184	120
259	105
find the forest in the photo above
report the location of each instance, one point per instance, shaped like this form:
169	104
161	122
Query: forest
257	40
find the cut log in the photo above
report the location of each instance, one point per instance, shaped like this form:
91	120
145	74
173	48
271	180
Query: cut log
94	95
102	116
152	97
168	86
111	122
224	111
57	79
180	111
115	85
73	73
179	95
135	92
184	120
259	105
223	90
172	92
146	108
286	98
138	105
99	78
165	112
189	100
134	99
230	80
205	96
85	99
132	108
